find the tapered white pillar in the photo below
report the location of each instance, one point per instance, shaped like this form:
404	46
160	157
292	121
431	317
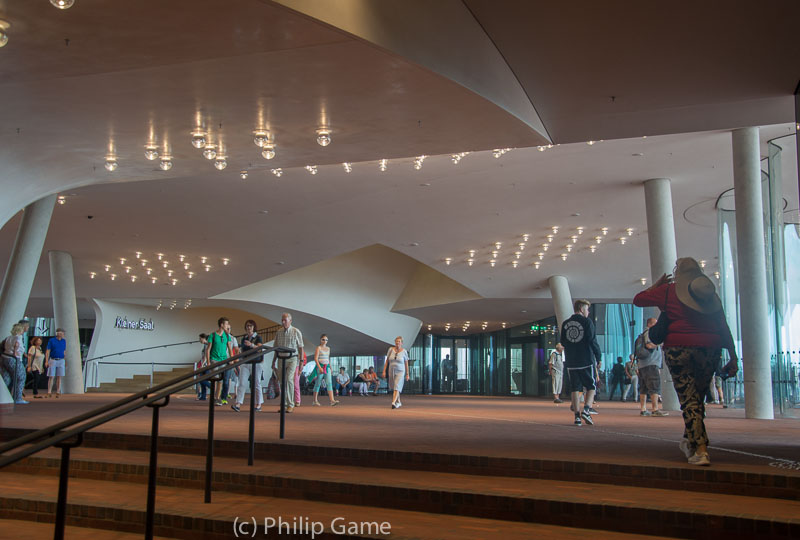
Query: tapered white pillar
562	299
752	265
24	261
65	308
663	254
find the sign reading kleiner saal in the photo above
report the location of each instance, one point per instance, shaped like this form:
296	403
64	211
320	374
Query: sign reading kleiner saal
141	324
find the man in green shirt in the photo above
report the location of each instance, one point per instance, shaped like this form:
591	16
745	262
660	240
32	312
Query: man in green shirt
219	349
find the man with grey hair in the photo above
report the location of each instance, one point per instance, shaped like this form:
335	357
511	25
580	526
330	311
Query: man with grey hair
290	337
650	359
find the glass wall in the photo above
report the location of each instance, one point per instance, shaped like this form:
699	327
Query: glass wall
782	241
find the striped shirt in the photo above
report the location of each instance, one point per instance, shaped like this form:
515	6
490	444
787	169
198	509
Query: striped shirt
291	338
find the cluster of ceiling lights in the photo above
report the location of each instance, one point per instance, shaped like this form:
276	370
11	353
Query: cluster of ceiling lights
157	268
5	25
465	326
518	246
173	304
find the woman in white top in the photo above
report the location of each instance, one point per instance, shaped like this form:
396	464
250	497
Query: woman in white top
397	362
36	364
322	356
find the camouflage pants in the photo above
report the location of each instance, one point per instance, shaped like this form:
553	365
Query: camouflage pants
692	369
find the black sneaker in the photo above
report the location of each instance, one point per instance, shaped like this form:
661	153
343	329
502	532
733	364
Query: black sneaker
592	411
235	407
578	420
587	418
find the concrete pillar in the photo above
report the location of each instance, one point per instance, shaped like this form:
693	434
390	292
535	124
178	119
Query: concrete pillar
65	309
24	261
663	254
562	299
752	265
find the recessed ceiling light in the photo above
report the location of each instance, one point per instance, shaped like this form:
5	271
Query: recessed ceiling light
637	154
414	244
426	184
576	214
263	211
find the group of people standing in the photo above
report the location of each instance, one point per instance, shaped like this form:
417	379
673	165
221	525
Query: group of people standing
694	331
16	363
221	345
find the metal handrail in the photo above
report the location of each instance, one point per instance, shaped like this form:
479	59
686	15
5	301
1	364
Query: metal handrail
54	436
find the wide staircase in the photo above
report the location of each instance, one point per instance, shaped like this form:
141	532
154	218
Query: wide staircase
137	383
328	492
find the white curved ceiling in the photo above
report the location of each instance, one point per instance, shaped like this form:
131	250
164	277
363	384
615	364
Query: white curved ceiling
127	75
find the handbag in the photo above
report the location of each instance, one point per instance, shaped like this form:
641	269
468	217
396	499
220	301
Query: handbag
658	332
273	388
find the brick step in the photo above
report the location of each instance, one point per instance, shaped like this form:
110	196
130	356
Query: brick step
30	530
180	513
715	479
624	509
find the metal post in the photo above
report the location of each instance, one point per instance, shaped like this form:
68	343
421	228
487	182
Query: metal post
252	446
61	506
210	438
151	481
151	373
283	396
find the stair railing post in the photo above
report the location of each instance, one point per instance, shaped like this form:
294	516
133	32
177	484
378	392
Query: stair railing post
210	437
151	481
63	480
251	447
283	394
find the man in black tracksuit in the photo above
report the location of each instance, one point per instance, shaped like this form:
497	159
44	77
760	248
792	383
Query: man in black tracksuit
581	355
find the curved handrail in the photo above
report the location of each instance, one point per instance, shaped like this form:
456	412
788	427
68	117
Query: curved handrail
52	435
141	350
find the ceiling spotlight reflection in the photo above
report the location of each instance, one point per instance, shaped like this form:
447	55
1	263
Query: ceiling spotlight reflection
277	172
260	138
383	165
348	167
209	151
151	152
111	163
268	152
62	4
323	137
312	169
166	163
243	174
220	163
199	139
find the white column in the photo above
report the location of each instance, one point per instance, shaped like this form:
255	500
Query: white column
562	299
663	254
65	308
24	261
752	265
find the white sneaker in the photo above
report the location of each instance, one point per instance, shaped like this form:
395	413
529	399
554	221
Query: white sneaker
700	459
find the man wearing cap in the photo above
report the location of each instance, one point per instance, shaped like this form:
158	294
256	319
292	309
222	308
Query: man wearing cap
696	334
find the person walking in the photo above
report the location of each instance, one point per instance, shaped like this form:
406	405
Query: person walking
397	362
617	380
220	349
55	363
250	341
650	358
556	366
203	387
695	336
322	357
582	355
631	377
35	364
292	338
13	363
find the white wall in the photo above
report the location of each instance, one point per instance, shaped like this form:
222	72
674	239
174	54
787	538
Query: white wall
169	326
